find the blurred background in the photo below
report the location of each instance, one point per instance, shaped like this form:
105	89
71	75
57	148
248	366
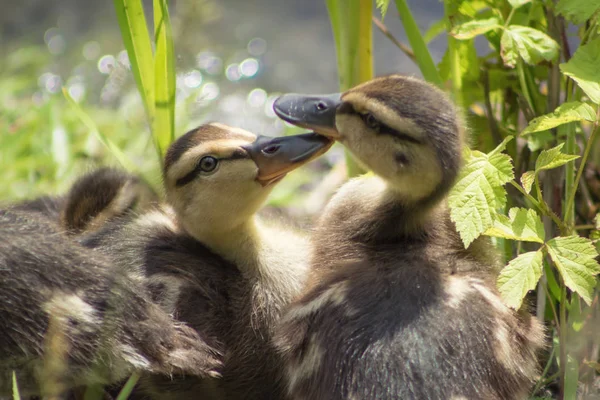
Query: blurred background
233	58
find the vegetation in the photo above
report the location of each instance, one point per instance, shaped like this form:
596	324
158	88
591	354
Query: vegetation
525	73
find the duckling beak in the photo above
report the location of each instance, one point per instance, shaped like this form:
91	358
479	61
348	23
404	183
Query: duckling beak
312	112
276	156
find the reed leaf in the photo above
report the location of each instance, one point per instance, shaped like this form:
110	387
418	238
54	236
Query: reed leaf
136	39
352	32
93	128
417	42
164	79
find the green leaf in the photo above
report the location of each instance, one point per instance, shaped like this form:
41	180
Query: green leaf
553	158
527	180
91	126
136	39
478	191
468	62
164	79
521	224
577	11
475	27
519	277
382	5
575	259
539	140
532	45
435	29
422	54
583	68
518	3
565	113
15	387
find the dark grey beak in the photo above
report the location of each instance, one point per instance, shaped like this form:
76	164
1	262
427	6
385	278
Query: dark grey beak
311	112
276	156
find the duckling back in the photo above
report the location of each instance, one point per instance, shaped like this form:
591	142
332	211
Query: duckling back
94	199
69	318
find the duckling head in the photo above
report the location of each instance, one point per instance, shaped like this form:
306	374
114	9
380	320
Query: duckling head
405	130
217	177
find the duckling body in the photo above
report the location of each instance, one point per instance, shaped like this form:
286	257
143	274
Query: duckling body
68	318
94	198
211	263
395	307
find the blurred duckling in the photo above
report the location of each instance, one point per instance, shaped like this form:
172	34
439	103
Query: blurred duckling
395	307
211	262
69	318
94	199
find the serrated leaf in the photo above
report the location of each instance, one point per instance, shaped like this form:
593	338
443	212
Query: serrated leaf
518	3
553	158
382	5
577	11
583	68
478	192
475	27
532	45
519	277
520	224
567	112
527	180
575	259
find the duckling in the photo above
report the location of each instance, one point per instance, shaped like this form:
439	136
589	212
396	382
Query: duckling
211	262
395	307
69	318
95	198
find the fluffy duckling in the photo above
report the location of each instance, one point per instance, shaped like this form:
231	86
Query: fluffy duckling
94	199
395	307
69	318
211	262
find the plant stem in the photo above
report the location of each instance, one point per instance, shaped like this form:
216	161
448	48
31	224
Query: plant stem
541	206
563	339
541	380
586	153
403	48
570	188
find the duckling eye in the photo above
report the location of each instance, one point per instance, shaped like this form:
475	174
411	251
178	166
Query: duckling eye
371	121
208	163
270	149
321	106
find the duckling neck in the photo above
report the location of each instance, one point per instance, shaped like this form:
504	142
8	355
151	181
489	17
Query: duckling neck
239	244
369	210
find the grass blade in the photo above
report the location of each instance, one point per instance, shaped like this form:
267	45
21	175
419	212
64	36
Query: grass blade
134	31
424	60
91	125
352	32
164	79
15	387
128	387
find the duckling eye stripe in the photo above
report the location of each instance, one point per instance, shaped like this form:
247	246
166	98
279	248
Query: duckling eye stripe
184	180
386	130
